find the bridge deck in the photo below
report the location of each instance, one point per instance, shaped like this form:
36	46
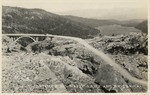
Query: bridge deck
27	34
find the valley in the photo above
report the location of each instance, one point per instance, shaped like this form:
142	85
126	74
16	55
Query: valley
43	52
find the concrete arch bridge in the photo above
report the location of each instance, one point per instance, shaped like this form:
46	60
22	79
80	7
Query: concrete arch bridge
32	37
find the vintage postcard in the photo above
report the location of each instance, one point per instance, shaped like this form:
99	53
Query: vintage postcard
74	46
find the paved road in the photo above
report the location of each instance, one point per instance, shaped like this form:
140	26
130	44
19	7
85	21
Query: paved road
105	57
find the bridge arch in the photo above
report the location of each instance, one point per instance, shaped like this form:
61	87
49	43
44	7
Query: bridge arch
26	40
26	37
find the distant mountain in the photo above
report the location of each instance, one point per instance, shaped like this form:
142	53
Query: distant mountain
143	26
92	22
100	22
21	20
109	13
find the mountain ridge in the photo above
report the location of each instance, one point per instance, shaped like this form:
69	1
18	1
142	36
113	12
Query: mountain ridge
22	20
100	22
124	13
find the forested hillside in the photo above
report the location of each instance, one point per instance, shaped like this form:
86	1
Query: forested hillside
143	26
21	20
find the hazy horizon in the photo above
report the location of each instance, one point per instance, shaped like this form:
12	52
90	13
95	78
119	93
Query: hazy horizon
98	9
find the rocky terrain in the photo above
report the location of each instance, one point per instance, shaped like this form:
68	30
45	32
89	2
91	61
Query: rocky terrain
62	65
130	51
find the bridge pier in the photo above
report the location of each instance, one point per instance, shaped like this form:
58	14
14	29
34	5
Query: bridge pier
12	38
36	39
16	37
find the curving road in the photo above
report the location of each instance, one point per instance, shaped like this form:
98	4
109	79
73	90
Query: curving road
99	53
108	60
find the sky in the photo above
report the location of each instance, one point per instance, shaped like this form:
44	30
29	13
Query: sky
66	5
99	9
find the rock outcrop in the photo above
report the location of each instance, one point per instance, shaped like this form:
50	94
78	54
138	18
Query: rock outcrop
126	44
62	65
